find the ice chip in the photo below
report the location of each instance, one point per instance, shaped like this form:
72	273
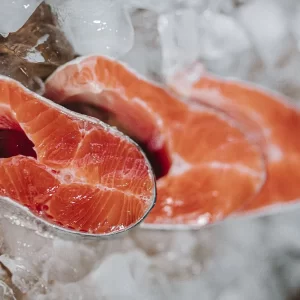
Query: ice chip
95	27
14	14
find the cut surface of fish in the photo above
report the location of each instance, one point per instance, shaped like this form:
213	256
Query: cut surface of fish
70	170
268	119
206	167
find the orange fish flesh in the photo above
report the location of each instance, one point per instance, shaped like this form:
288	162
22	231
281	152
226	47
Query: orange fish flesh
68	169
268	118
209	168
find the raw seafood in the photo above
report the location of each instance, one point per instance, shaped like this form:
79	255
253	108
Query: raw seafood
269	119
208	168
68	169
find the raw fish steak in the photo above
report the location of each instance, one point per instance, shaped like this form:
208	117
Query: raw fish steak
269	119
206	166
70	170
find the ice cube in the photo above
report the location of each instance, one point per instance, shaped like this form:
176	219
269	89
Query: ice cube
217	40
95	27
267	27
145	55
14	14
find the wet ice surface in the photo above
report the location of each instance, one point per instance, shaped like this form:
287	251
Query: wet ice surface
94	26
253	259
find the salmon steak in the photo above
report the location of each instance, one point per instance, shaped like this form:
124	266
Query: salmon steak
269	120
68	169
206	165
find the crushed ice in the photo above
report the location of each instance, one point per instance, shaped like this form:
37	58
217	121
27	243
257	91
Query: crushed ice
243	260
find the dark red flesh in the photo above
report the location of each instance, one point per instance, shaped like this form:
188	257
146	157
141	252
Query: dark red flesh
15	142
159	159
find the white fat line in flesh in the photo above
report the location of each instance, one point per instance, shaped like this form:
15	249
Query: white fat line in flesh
142	103
93	58
60	108
90	87
241	168
276	96
68	176
186	80
93	85
217	100
157	142
86	132
179	165
217	103
126	193
274	153
6	106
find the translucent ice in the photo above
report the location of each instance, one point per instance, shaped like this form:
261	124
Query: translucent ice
268	29
95	27
217	40
14	14
145	55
